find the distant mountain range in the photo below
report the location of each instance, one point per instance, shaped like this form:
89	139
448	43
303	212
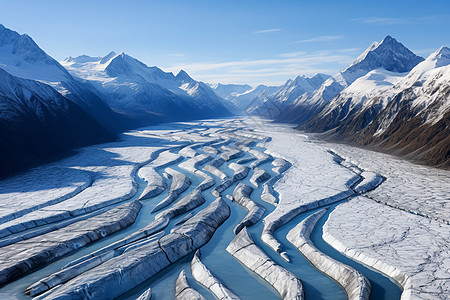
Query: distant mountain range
47	110
146	93
388	99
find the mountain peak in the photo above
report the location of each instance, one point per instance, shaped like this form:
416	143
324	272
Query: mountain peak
440	58
107	57
389	54
7	36
389	39
183	76
444	51
82	59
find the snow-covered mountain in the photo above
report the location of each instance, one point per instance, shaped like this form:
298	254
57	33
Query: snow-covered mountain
273	105
388	55
294	88
229	91
22	57
374	90
269	101
406	113
37	122
248	99
135	89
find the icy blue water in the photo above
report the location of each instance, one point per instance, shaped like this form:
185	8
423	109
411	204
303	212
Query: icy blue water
238	278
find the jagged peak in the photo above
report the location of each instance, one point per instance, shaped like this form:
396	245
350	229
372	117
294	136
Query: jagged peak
443	51
440	57
388	39
108	56
7	36
389	54
182	75
82	58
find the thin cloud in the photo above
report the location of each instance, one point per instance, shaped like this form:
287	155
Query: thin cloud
176	54
393	21
292	54
348	50
312	59
267	30
322	38
253	71
424	52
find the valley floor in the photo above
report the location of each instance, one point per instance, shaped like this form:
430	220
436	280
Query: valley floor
117	219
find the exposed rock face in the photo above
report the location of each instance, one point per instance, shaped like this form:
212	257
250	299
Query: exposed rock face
207	279
354	283
409	118
388	55
37	124
183	291
244	249
122	273
21	257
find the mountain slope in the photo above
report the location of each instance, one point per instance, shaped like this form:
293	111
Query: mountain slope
37	123
229	91
21	57
147	93
408	117
273	105
388	55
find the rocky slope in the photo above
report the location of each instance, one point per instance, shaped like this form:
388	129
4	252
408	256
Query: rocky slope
408	116
388	55
22	57
37	123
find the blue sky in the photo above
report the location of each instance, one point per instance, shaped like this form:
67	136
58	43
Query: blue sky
230	41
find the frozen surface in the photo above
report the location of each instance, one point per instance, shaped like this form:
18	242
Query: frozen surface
244	249
183	291
409	187
354	283
413	250
398	224
209	281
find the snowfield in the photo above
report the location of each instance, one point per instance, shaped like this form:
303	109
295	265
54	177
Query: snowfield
382	212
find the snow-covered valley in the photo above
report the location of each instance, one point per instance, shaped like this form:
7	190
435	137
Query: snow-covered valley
117	219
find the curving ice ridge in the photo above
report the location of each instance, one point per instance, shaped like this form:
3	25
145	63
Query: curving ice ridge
241	195
147	295
183	291
167	190
204	276
243	248
124	272
24	256
354	283
180	183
